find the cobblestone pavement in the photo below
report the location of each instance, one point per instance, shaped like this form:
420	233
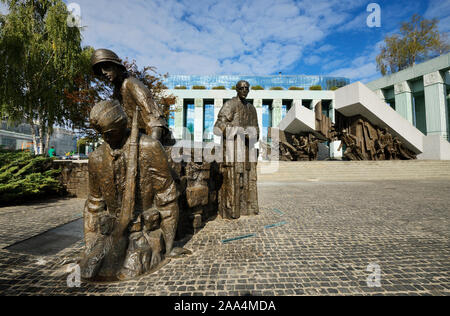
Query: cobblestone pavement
22	222
327	235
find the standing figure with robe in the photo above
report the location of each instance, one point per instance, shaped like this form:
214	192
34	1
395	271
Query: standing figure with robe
237	124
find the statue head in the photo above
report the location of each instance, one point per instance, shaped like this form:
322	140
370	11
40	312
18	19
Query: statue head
106	63
242	89
109	119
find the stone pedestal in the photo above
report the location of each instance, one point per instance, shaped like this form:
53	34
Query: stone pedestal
436	104
404	100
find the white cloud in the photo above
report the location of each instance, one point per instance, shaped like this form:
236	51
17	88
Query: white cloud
358	24
312	60
439	9
362	68
325	48
213	36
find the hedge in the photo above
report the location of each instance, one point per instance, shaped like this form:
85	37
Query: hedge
257	88
276	88
181	88
24	176
296	88
219	88
315	88
198	88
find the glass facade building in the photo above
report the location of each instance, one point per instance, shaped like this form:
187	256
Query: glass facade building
267	82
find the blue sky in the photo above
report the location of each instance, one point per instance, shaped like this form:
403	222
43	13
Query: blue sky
254	37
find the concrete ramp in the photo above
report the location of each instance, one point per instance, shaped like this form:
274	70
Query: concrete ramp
300	120
357	99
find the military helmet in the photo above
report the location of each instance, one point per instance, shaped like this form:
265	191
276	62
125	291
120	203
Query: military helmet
104	55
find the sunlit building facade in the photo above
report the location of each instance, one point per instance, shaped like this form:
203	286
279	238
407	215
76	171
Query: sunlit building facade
19	137
200	98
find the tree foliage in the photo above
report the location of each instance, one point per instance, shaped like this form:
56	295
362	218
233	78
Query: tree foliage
257	87
24	176
40	55
418	41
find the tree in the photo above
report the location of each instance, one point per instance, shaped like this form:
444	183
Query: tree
418	41
40	55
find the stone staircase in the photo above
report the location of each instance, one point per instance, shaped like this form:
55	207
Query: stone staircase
344	171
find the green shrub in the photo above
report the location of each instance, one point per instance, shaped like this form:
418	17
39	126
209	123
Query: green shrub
296	88
219	88
334	88
198	88
233	88
315	87
180	88
24	176
276	88
257	88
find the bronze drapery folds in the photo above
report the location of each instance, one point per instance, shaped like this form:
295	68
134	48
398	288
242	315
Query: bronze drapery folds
238	194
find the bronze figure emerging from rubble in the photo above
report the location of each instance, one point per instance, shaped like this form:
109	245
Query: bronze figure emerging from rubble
302	147
365	141
131	214
238	194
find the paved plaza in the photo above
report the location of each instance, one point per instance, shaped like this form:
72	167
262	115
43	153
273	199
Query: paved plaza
311	238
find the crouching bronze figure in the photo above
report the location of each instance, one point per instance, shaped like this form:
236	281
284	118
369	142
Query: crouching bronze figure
131	214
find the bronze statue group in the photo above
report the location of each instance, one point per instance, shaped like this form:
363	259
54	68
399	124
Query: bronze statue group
140	199
132	213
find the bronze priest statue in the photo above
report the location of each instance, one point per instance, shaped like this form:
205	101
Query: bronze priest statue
237	123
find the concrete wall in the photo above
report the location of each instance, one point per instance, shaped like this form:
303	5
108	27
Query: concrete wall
441	63
435	148
75	177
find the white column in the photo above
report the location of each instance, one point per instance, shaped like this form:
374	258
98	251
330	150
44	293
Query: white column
380	94
198	120
296	102
257	103
436	104
218	104
404	100
178	119
334	153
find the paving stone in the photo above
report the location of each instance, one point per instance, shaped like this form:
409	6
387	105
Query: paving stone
333	231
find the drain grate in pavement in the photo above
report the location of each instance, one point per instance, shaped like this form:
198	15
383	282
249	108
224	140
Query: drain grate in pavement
52	241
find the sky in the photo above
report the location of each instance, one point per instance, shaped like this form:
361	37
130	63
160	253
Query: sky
251	37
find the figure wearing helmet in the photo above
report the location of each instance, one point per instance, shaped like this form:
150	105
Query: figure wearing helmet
130	92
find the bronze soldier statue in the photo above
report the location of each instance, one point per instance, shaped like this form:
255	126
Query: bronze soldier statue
131	92
238	194
353	151
131	214
313	148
